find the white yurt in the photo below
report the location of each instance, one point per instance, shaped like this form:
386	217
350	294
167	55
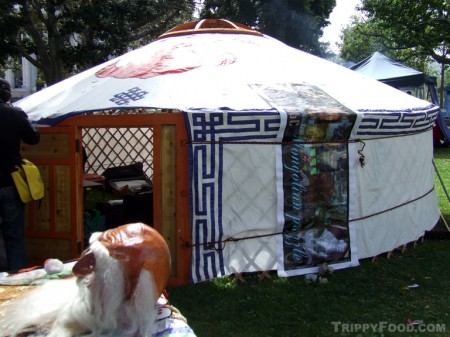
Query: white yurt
290	160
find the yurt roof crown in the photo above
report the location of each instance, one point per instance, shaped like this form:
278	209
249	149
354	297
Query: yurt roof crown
210	26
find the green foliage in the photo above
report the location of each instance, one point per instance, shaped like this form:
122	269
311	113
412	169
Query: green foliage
423	24
242	11
412	32
442	161
357	43
361	39
297	23
72	35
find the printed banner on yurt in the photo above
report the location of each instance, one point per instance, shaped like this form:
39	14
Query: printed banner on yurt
315	227
315	185
315	174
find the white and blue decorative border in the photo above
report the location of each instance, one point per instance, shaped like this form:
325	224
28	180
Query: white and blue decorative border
207	133
396	122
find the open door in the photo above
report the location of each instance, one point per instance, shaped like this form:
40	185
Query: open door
53	225
160	141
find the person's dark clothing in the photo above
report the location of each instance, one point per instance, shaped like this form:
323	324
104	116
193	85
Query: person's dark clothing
14	128
12	213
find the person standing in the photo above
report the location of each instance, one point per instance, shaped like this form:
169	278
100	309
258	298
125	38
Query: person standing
14	128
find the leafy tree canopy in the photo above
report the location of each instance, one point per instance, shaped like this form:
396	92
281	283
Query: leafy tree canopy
62	36
361	39
296	23
409	30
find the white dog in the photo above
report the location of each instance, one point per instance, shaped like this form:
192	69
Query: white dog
114	292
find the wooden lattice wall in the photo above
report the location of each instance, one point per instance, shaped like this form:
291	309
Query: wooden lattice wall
112	147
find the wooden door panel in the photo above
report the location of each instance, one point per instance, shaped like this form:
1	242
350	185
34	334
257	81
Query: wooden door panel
52	223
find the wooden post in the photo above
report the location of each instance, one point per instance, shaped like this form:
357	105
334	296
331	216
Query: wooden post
168	190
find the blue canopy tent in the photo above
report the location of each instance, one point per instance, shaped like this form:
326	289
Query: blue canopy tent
398	75
391	72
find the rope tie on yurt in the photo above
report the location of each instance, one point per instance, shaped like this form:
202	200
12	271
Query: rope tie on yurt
241	142
348	141
219	246
393	208
362	158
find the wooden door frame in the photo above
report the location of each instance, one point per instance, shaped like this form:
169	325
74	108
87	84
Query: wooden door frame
170	134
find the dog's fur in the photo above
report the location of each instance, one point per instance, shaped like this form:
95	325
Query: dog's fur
94	305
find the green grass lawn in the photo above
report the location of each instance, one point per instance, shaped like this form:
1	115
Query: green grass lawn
376	291
442	161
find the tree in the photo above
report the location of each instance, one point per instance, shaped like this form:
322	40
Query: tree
62	36
415	30
299	24
358	42
361	39
421	25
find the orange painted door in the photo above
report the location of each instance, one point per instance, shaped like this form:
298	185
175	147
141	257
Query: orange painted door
53	224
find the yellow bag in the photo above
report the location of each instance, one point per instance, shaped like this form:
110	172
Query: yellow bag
28	181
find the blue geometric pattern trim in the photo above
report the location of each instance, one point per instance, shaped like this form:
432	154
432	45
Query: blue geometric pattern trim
206	174
394	123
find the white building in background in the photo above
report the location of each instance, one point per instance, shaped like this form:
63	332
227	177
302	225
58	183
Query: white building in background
24	83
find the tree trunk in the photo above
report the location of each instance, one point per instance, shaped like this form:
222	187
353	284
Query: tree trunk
53	72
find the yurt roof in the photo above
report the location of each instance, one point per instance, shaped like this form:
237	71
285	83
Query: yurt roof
208	65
